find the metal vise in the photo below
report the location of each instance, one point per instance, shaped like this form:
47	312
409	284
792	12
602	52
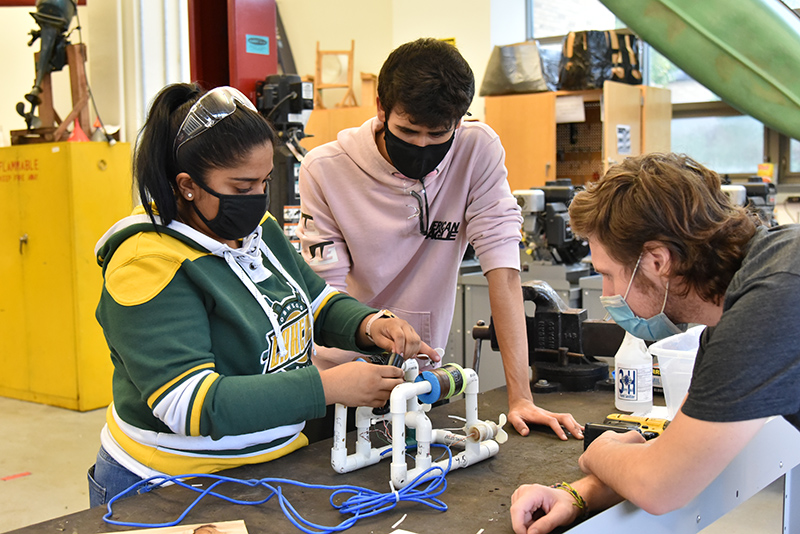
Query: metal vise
562	342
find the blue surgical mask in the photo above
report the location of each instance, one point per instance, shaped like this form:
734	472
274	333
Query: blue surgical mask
652	329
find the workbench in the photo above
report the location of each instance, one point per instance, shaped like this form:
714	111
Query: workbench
478	496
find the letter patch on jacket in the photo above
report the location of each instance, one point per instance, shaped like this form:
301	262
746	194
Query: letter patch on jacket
443	231
297	336
322	253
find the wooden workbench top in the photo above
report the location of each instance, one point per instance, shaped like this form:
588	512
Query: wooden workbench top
478	497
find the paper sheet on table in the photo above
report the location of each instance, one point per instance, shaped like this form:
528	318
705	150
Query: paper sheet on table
223	527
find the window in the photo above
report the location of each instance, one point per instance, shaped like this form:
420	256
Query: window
557	17
662	72
789	170
729	145
794	156
703	126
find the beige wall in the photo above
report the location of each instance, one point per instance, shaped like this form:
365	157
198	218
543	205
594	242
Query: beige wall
465	20
19	70
126	66
379	26
134	48
334	24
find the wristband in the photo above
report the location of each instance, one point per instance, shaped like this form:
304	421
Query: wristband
579	501
383	314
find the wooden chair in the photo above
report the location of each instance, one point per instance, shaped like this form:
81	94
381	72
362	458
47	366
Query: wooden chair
369	88
349	99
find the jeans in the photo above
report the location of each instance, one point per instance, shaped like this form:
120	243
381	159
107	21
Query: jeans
108	478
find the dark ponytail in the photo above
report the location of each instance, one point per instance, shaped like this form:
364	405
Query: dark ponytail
155	166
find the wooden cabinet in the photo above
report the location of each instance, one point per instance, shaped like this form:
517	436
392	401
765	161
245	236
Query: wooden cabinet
620	120
325	124
56	201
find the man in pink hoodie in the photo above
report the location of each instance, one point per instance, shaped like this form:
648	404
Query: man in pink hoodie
389	208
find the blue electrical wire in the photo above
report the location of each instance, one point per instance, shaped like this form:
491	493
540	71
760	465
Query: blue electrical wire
364	502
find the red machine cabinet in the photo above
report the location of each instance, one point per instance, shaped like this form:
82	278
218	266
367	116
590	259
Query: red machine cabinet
233	42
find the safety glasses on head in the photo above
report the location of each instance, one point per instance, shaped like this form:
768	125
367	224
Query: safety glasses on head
209	109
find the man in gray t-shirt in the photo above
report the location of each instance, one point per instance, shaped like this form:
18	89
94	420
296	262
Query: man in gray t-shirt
673	249
748	364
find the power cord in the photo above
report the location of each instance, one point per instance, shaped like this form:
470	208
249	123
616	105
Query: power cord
364	502
111	141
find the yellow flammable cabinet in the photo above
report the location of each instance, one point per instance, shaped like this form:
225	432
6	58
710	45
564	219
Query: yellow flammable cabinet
56	201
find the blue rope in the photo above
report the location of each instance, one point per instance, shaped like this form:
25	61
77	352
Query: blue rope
364	502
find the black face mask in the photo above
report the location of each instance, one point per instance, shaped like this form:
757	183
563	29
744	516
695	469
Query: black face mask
238	215
412	160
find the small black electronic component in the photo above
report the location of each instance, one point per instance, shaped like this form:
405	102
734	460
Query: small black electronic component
649	427
386	358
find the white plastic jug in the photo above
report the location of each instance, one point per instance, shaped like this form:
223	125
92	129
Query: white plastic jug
676	355
633	376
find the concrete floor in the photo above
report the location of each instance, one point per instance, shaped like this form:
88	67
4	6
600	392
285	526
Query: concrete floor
51	448
56	447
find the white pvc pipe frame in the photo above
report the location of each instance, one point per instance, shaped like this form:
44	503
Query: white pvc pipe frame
407	411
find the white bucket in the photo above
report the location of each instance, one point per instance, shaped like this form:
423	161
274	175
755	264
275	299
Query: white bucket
676	355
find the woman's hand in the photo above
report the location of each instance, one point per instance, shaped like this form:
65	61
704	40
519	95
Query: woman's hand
537	509
394	335
360	383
